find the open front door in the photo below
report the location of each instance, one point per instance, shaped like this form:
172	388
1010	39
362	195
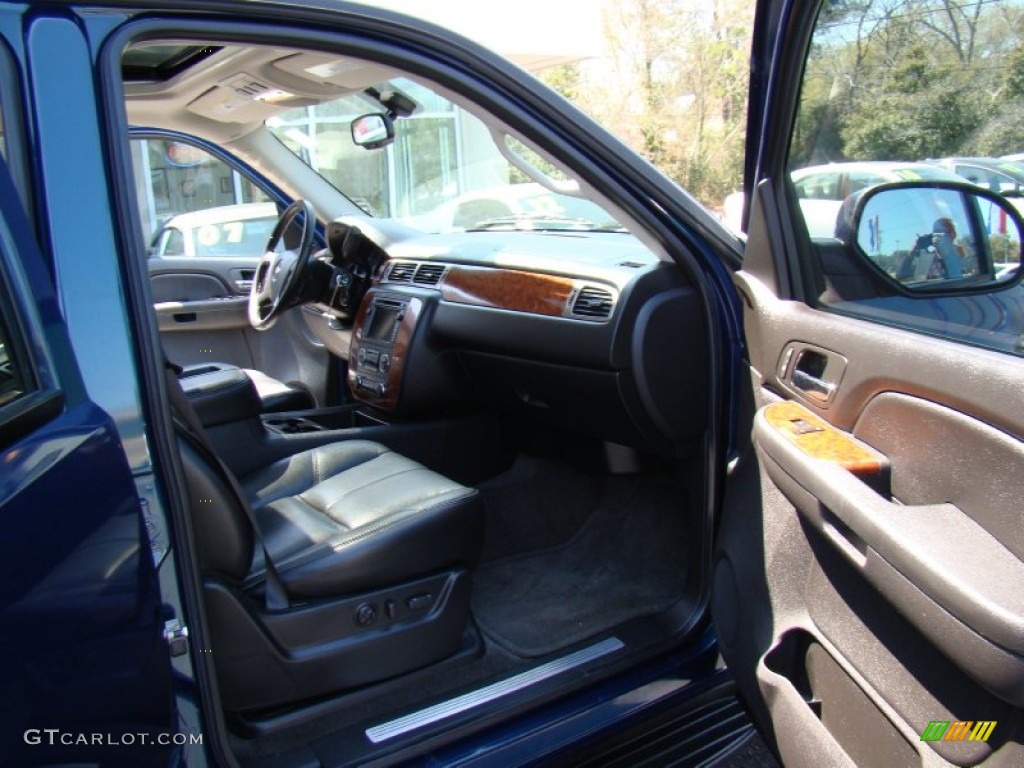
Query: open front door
869	578
82	623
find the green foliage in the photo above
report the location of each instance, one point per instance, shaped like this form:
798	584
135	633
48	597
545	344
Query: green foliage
1003	131
1005	249
932	121
1015	73
565	79
885	79
913	79
675	87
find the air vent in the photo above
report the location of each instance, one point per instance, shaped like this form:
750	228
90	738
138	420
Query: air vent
402	272
592	301
429	274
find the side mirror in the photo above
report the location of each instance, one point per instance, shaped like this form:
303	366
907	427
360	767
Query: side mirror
937	236
373	131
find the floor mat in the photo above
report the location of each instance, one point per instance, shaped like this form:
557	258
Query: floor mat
627	560
537	504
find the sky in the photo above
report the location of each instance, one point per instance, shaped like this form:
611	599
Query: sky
533	33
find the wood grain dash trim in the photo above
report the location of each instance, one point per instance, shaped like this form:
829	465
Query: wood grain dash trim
508	289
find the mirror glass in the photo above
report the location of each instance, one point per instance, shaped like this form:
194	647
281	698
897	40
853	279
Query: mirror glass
373	131
930	238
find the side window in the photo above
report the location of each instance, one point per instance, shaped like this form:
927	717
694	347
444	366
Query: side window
818	186
887	88
194	204
973	174
28	396
860	180
14	383
172	243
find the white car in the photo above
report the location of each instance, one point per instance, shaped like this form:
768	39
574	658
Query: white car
822	189
227	230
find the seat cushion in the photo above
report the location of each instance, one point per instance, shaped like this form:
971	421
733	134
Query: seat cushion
355	515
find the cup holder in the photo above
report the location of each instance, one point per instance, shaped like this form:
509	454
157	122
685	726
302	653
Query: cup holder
292	425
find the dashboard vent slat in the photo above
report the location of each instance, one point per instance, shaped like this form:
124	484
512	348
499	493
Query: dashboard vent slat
402	272
429	274
592	301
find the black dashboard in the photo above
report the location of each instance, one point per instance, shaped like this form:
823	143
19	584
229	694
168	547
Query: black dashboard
587	332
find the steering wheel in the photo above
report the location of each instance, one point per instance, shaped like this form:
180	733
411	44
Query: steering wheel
277	285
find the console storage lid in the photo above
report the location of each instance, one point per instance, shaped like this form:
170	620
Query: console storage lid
220	393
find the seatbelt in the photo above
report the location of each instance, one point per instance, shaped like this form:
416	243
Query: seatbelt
188	426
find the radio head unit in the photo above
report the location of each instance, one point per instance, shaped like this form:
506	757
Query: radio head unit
380	345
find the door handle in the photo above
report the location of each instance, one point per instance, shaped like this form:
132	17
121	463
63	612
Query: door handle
812	386
811	372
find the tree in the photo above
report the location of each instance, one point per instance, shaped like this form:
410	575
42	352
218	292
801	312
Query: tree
912	79
1014	81
921	111
675	87
565	78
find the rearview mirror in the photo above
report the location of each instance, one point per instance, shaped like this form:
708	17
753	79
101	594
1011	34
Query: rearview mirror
373	131
939	236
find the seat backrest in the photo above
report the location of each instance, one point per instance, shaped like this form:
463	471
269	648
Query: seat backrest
224	537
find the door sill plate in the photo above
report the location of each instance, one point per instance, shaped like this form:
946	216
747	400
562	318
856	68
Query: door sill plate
489	693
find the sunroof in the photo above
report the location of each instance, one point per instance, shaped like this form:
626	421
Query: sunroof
161	61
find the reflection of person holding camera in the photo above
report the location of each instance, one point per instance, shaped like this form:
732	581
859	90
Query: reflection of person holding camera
950	252
937	255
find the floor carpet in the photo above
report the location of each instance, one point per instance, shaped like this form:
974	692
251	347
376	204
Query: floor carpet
626	558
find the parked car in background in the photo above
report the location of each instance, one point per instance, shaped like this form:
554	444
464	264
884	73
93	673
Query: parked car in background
1001	175
228	230
823	188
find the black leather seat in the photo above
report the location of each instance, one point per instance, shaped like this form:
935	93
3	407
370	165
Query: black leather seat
371	548
354	515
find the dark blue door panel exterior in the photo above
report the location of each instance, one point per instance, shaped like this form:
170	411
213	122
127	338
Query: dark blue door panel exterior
81	628
81	619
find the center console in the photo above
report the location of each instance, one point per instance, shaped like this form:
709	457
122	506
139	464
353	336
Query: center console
381	344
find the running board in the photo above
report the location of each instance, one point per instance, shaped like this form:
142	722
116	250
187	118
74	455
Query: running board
487	694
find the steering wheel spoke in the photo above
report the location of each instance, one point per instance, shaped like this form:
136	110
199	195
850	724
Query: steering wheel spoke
279	275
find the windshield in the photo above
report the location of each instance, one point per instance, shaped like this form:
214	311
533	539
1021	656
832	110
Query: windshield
442	173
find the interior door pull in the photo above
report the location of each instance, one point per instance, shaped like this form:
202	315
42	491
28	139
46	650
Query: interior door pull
812	373
812	386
